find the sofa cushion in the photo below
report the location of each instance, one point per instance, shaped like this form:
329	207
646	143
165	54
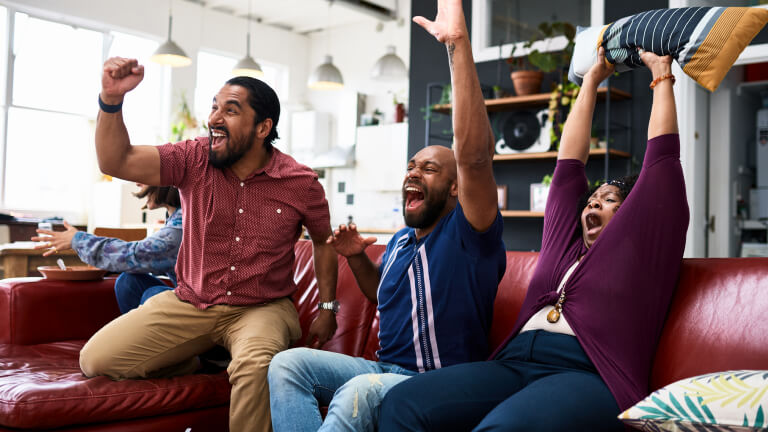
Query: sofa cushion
732	401
41	386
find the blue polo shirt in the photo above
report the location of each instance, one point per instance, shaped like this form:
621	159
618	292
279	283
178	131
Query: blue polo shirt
436	294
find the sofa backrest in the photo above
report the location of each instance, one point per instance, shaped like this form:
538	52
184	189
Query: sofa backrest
715	322
356	313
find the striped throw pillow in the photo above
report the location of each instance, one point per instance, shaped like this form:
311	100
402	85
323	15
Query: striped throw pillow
705	41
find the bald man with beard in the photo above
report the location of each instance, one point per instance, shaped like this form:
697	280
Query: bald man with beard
434	288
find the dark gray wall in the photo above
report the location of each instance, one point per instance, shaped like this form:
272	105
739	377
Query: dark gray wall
429	64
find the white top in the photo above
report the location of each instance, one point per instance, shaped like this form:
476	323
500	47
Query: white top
539	320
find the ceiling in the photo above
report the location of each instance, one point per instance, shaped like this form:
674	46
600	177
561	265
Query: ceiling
305	16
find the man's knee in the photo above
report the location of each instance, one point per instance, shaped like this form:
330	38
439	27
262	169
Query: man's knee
95	362
287	365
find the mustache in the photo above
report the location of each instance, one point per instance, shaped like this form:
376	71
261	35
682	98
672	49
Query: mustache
218	128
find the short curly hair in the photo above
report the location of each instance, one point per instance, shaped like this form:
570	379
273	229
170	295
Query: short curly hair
625	185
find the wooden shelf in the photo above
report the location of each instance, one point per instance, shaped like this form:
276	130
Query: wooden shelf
553	155
530	101
521	214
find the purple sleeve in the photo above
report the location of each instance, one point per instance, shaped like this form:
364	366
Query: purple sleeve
569	183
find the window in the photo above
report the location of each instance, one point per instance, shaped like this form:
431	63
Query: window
213	70
506	22
145	116
50	164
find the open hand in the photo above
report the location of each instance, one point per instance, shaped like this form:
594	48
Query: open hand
58	240
600	70
120	75
348	242
449	24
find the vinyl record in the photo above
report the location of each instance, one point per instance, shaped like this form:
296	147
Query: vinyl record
521	130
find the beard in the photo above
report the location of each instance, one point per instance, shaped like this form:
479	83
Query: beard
434	204
234	149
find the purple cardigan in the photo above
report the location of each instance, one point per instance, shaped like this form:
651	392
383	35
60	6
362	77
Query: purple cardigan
618	296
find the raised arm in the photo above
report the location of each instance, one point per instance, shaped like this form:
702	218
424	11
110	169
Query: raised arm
574	143
116	156
663	111
473	137
350	244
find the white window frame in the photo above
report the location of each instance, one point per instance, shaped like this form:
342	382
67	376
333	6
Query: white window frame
7	103
483	51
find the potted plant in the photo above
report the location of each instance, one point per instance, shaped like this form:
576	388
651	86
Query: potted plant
528	70
539	192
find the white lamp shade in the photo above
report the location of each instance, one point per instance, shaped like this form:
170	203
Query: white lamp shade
169	53
248	67
326	77
389	67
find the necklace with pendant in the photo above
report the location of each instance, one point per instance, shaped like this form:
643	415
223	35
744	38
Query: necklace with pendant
554	315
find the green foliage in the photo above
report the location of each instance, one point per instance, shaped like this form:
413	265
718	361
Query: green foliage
547	180
546	61
185	123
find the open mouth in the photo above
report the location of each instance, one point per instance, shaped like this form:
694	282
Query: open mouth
414	197
219	137
594	224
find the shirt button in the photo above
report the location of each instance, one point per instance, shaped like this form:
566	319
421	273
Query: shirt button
237	238
229	292
241	210
242	184
232	268
279	211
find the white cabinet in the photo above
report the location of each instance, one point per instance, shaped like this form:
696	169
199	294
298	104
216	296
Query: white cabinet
381	156
310	134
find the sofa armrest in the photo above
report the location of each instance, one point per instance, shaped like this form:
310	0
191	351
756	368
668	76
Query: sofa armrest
34	310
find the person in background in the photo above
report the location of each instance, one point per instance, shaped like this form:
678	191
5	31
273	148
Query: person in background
139	261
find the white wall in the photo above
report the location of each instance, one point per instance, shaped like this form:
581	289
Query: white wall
355	49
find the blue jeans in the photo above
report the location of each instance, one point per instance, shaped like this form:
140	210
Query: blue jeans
133	289
540	381
301	379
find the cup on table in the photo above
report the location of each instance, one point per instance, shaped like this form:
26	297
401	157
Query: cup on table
44	226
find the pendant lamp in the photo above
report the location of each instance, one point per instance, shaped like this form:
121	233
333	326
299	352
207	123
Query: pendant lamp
389	67
248	66
326	76
169	53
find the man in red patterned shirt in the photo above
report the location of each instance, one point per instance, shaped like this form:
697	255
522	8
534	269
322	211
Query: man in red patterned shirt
244	204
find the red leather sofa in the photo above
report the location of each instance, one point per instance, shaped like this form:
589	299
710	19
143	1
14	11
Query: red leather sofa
715	323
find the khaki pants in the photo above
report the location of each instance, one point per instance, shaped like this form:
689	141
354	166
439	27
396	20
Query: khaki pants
163	336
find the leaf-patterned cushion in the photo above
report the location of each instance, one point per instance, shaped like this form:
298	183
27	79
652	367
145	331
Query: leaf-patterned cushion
721	401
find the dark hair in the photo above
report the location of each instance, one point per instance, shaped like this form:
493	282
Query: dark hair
264	101
160	195
625	185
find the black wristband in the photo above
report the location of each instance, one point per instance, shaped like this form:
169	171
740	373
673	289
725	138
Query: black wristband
111	109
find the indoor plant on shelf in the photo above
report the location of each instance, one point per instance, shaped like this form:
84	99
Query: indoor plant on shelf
528	70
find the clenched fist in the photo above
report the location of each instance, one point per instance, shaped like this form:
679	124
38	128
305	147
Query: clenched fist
120	76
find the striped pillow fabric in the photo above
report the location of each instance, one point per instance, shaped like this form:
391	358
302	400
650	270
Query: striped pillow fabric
705	41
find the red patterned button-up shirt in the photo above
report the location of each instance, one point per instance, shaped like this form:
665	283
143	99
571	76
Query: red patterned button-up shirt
239	236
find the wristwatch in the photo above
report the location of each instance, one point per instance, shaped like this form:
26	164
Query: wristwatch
331	306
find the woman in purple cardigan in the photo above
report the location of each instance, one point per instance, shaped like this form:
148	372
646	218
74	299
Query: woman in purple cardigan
582	348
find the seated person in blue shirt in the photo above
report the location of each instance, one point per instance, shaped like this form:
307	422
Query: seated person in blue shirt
155	254
435	287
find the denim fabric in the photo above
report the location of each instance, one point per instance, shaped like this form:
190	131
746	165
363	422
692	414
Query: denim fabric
302	379
540	381
133	289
